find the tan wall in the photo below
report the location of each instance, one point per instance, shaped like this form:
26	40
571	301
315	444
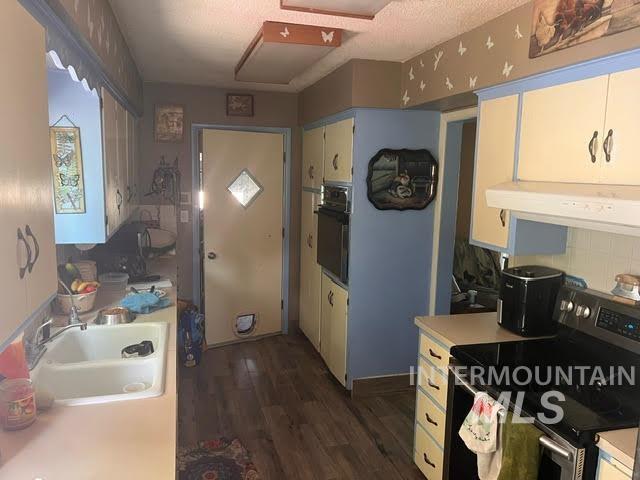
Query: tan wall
207	105
357	83
96	21
488	64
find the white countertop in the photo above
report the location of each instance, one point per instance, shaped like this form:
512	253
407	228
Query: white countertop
133	439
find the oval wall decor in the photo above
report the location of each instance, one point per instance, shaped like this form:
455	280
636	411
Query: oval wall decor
402	179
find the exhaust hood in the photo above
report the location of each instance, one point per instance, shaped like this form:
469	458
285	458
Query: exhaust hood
612	208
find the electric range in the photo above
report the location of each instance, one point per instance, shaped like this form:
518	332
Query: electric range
583	381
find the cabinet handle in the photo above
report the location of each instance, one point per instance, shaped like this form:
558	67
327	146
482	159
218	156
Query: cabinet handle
433	385
23	270
427	461
431	420
310	240
36	246
435	355
129	194
118	199
330	298
607	146
593	147
335	162
311	172
503	217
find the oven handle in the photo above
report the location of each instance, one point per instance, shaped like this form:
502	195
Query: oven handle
545	441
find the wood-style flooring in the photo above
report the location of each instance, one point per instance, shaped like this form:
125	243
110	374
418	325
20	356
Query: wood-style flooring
278	398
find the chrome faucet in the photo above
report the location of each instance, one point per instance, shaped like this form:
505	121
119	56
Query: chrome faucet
74	318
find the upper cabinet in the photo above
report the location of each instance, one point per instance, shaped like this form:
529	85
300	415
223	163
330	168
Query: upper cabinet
338	151
28	265
312	157
582	132
494	164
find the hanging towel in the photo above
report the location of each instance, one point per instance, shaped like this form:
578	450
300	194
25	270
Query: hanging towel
479	431
520	450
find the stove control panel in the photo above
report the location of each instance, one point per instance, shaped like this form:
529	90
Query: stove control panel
619	323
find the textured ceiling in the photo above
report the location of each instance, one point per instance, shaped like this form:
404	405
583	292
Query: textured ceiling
200	41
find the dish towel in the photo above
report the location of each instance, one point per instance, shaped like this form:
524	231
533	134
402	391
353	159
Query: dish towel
520	450
479	431
144	302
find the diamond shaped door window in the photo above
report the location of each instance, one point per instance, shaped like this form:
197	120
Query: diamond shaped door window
245	188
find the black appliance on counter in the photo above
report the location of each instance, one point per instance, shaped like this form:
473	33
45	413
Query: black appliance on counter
125	252
594	331
333	230
527	298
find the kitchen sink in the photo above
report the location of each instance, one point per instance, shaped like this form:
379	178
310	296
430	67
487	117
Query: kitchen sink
86	367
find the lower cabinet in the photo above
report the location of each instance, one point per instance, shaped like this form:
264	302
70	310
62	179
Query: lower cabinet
610	468
333	327
310	271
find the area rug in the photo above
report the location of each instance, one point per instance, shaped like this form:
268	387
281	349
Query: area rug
220	459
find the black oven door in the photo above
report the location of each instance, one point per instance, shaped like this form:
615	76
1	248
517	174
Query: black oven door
333	242
560	460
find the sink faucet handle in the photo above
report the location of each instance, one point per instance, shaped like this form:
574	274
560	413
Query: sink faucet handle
44	330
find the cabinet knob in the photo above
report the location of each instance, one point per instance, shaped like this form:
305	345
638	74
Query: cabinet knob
607	146
335	162
593	147
212	256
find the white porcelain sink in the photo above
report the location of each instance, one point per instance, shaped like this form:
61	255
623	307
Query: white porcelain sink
86	367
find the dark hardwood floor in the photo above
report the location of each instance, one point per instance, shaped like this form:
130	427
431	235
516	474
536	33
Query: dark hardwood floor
278	398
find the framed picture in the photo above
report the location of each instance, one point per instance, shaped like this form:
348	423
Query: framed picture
68	179
169	123
402	179
239	105
559	24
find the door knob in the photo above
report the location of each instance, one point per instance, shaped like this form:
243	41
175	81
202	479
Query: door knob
211	256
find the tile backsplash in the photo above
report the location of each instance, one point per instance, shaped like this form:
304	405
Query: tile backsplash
595	256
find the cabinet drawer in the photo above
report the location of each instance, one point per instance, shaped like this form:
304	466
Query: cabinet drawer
430	417
432	382
428	456
434	352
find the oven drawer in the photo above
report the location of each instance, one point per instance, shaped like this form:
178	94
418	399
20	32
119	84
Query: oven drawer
428	456
433	382
434	352
430	417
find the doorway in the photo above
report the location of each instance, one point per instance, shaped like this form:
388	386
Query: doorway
464	276
242	200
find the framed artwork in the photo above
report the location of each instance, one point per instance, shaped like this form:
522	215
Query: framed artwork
169	123
239	105
68	179
402	179
559	24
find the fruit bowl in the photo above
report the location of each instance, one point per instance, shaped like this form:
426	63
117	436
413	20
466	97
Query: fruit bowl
83	301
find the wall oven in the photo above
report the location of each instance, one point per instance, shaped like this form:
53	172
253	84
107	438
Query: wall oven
333	230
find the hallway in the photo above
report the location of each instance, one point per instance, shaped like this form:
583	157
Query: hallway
278	398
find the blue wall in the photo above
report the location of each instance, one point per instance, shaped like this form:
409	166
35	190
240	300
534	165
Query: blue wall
67	97
390	262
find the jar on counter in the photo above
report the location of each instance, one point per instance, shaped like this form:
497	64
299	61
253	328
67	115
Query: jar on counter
17	403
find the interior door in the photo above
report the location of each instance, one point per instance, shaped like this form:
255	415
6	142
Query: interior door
243	199
557	132
310	271
312	157
621	126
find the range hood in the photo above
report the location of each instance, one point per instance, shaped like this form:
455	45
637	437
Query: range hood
612	208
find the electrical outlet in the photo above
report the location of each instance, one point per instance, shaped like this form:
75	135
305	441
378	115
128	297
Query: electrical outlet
184	216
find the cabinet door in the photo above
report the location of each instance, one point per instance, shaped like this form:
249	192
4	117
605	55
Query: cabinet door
326	313
310	271
621	165
494	164
110	152
610	471
338	299
312	157
123	168
557	132
338	151
131	163
23	73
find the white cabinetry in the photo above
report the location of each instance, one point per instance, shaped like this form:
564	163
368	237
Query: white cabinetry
28	265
